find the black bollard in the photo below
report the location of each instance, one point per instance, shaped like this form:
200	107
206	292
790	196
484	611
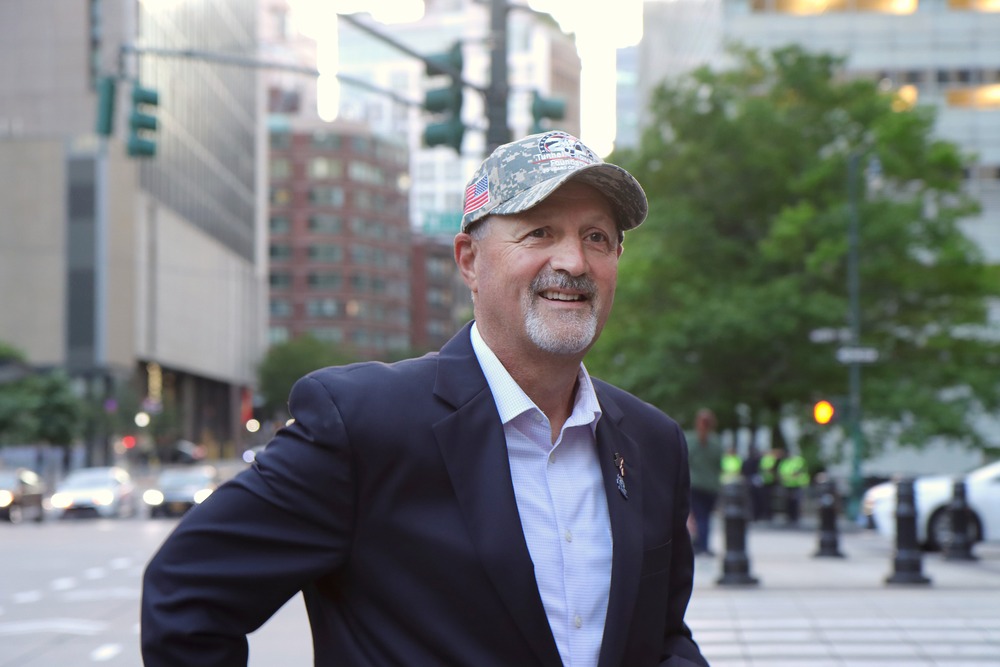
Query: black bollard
906	561
958	546
829	504
735	564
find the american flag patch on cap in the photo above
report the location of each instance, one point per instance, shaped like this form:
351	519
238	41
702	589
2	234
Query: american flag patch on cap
477	194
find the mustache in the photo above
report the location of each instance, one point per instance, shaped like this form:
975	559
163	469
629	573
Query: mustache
558	280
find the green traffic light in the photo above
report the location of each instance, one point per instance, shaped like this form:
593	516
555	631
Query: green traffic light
106	106
140	122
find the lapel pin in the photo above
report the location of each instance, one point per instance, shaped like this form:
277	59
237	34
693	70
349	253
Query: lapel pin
620	480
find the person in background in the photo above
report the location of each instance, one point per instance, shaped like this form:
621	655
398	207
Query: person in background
488	505
793	473
705	459
771	489
751	471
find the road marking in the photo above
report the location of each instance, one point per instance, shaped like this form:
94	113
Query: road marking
90	594
105	652
68	626
27	596
63	584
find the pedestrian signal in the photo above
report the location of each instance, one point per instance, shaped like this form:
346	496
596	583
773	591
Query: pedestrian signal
824	412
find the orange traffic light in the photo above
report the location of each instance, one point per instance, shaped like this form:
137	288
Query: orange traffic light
824	412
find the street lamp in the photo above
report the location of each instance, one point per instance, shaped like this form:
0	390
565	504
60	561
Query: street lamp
873	176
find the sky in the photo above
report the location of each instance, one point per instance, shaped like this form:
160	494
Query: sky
599	32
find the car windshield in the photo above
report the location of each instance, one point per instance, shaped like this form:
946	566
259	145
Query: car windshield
86	478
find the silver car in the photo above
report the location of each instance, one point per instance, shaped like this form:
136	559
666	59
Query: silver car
101	492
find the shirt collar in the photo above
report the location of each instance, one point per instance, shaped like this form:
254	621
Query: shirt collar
512	401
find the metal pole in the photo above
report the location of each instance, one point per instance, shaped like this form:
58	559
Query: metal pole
497	132
854	318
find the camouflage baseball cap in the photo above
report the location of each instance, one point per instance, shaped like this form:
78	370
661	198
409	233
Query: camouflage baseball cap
518	175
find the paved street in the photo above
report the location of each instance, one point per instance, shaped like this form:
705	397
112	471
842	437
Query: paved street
70	594
839	612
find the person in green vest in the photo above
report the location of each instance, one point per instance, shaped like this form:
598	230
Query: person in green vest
732	467
769	481
793	474
705	460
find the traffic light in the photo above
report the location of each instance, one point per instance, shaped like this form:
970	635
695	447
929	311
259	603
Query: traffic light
825	412
542	108
446	100
141	122
106	88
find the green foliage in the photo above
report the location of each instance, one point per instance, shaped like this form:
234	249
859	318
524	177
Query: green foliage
744	254
39	407
287	362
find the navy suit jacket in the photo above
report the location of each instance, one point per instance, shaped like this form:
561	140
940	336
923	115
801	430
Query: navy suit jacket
389	504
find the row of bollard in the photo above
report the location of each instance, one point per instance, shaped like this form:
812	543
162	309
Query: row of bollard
907	557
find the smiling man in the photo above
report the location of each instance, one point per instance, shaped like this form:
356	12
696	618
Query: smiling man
487	505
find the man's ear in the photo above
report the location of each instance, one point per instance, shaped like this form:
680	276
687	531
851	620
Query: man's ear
465	258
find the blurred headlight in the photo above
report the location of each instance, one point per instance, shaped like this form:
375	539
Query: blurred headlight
875	495
61	500
104	497
152	497
6	498
199	496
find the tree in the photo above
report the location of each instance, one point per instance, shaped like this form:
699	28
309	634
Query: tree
744	254
286	362
37	407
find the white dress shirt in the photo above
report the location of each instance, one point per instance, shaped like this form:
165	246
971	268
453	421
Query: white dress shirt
562	505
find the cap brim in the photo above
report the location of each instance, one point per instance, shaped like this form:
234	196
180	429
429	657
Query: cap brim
621	189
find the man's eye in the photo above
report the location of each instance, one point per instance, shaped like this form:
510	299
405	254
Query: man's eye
598	237
537	233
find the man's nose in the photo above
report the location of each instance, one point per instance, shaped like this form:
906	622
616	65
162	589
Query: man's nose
569	256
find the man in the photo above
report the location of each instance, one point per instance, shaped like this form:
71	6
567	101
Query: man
490	504
705	459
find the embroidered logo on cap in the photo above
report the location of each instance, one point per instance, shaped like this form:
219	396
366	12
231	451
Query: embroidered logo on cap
556	146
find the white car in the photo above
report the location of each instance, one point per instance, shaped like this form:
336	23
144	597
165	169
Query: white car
932	497
103	492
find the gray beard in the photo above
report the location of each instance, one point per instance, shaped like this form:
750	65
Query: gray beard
566	333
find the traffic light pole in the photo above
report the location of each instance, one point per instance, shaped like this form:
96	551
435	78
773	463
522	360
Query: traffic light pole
497	131
854	316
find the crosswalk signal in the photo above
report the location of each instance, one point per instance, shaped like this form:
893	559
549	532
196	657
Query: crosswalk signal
824	412
446	100
542	108
141	122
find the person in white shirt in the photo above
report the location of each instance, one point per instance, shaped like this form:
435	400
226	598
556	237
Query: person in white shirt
487	505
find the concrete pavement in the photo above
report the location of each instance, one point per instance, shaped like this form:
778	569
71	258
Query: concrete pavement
809	611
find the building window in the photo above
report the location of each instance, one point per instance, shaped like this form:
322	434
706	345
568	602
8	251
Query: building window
324	280
281	140
281	308
324	167
278	335
327	334
326	140
279	224
976	97
325	224
281	168
326	252
280	251
280	280
281	196
321	308
324	195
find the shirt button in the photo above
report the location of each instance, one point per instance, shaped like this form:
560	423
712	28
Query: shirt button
577	621
569	536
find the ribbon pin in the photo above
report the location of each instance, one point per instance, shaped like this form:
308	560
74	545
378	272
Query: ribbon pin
620	480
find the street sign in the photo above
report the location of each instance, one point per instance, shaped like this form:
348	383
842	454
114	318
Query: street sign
857	355
830	335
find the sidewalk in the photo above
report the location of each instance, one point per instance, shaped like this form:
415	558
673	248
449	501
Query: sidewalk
839	612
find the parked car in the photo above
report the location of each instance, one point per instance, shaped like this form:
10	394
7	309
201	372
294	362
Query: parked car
103	492
932	497
21	494
177	490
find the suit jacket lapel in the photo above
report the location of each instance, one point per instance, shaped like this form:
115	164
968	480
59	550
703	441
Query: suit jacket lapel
472	443
626	527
